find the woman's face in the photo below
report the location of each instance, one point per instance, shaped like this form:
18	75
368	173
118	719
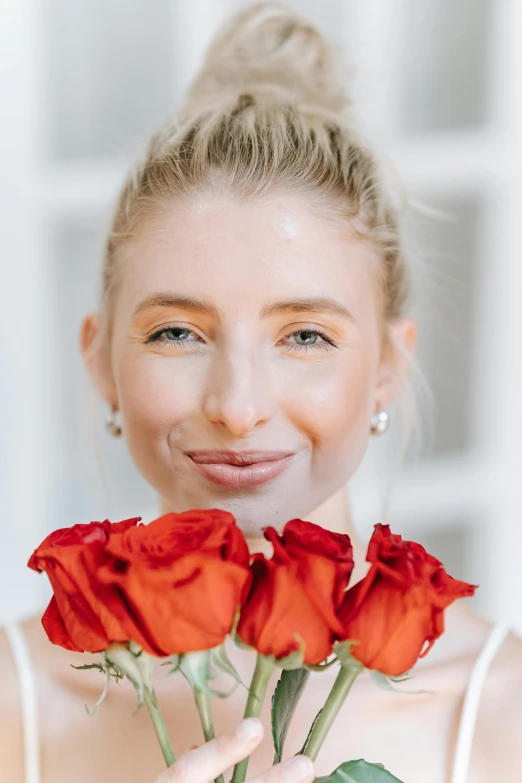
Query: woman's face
246	327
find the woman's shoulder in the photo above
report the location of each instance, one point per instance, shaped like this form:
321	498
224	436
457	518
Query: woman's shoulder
11	733
469	633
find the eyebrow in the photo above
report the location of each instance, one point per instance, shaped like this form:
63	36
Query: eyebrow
316	304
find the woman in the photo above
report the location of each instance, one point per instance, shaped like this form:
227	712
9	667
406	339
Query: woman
254	291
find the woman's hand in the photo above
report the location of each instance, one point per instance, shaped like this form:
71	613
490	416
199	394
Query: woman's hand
206	763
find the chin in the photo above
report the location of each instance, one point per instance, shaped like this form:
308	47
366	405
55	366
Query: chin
253	515
253	512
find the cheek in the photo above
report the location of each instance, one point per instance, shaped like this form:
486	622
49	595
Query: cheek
156	394
333	409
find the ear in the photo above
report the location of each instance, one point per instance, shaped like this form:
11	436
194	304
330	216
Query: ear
396	360
96	359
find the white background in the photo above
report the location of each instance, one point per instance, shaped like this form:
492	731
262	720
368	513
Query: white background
437	86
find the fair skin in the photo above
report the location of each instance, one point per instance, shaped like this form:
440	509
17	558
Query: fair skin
240	382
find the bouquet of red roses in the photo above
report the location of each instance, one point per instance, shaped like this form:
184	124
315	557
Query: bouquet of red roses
172	591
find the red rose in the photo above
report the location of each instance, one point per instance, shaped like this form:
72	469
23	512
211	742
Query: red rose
181	576
77	616
398	607
295	594
172	586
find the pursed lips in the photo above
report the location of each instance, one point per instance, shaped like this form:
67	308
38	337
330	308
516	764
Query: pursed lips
238	458
240	470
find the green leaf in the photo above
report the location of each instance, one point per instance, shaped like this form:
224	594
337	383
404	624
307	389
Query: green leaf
110	672
90	713
401	677
195	667
388	683
220	661
284	701
174	662
119	658
359	772
89	666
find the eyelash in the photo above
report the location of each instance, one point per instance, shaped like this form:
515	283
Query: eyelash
324	346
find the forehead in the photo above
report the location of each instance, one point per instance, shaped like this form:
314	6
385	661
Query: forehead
241	251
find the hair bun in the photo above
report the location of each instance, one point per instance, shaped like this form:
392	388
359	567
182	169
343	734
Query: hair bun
270	51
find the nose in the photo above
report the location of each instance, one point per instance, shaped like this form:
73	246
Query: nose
238	394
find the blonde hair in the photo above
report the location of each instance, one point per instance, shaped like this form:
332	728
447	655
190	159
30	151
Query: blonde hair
269	111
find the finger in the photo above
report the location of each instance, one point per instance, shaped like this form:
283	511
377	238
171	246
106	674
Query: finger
205	763
299	769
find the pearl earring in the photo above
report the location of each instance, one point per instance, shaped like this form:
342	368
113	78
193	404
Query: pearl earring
111	424
379	422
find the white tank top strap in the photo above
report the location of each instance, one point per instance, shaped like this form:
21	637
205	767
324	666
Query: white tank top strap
28	700
470	707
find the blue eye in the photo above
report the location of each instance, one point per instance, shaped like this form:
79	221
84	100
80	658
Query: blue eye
161	335
312	339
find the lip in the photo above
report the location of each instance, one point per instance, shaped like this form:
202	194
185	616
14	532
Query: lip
222	468
235	457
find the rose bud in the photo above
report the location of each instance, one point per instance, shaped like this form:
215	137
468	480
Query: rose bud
295	594
397	611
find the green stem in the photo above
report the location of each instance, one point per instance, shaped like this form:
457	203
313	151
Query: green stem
328	714
256	695
205	713
151	702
